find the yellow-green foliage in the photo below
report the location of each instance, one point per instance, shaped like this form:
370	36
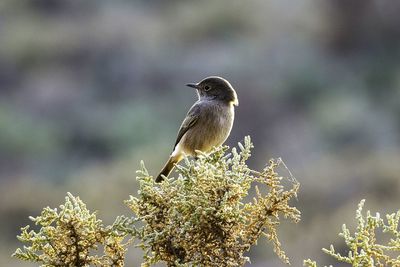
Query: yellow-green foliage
364	249
70	236
201	218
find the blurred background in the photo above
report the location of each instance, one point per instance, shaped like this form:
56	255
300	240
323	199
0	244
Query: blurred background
90	88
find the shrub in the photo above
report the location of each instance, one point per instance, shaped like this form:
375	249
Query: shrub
68	237
363	246
200	218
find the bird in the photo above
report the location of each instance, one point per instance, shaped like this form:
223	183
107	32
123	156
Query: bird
207	124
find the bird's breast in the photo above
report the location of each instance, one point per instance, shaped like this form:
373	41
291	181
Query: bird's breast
212	129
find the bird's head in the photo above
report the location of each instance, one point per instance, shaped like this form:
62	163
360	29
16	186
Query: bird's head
215	87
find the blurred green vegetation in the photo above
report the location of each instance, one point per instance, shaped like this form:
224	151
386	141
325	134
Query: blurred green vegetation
90	88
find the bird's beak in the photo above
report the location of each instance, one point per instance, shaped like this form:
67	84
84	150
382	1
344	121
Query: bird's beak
193	85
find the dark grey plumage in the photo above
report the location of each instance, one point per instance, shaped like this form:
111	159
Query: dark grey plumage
208	122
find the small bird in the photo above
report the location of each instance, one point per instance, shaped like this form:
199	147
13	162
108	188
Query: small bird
208	122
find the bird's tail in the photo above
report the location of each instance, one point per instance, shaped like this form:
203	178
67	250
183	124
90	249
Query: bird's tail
167	168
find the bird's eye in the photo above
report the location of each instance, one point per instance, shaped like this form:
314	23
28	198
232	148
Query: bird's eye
207	88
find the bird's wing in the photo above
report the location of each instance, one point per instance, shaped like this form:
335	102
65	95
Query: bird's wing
190	120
